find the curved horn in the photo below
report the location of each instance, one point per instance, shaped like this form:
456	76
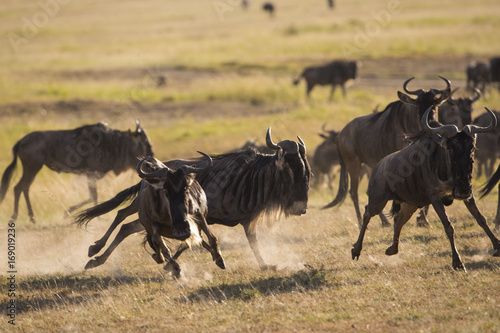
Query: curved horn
302	146
323	128
191	169
153	174
443	130
477	96
416	92
448	84
138	127
269	141
474	129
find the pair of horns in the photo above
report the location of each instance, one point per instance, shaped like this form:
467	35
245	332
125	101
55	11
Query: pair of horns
163	170
452	130
288	146
420	91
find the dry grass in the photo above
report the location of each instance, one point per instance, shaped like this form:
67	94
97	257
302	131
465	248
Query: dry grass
227	81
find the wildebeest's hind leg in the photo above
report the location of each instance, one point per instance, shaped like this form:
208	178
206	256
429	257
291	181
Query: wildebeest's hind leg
29	172
401	217
251	233
448	228
125	231
92	182
471	206
422	218
497	217
310	87
120	217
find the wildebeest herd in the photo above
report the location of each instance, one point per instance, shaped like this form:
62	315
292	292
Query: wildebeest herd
418	151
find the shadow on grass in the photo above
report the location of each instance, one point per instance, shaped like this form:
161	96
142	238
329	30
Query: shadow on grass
61	291
306	279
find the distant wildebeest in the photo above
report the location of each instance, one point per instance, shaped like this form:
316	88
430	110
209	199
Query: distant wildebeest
495	70
336	73
241	187
331	4
269	7
91	150
488	148
478	75
435	169
251	144
457	111
367	139
325	157
172	204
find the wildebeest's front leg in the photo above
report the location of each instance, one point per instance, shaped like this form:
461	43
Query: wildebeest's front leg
213	247
125	231
120	217
356	248
251	233
471	206
448	228
400	219
92	182
23	186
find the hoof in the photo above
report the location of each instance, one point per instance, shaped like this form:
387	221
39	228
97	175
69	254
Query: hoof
173	268
355	253
159	259
92	263
459	267
94	249
391	250
220	262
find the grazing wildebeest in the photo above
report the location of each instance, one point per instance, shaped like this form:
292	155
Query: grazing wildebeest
172	204
478	75
92	150
457	111
367	139
336	73
241	187
435	169
325	157
488	147
269	7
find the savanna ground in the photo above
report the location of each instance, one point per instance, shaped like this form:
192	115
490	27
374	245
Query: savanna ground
229	75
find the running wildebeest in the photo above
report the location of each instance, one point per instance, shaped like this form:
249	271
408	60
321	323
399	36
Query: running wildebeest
457	111
435	169
478	75
241	187
336	73
367	139
92	150
172	204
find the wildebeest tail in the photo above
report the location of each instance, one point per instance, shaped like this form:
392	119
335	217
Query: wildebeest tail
105	207
396	207
343	185
492	182
7	175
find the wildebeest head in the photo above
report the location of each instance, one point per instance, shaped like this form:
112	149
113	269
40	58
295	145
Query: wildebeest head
458	110
142	145
460	146
291	161
176	185
432	97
